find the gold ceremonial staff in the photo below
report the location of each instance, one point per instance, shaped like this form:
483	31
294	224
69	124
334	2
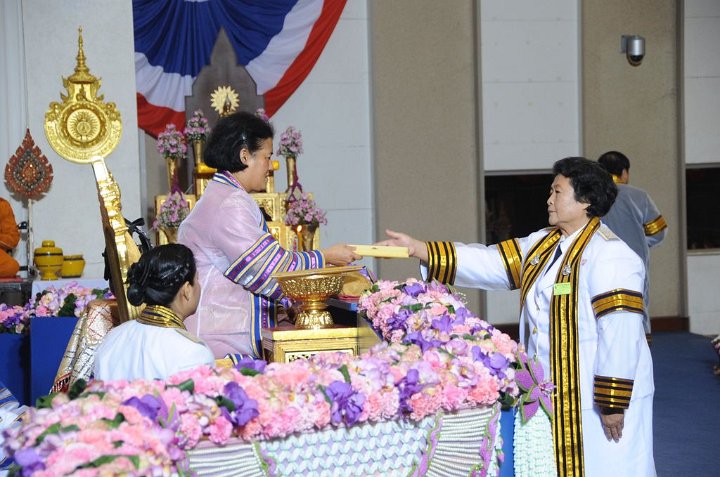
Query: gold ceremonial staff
84	129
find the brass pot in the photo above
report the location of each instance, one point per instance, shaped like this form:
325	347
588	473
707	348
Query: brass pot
49	260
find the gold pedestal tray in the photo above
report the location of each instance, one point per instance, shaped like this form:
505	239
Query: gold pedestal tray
311	288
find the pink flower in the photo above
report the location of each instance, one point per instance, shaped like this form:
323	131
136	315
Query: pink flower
220	430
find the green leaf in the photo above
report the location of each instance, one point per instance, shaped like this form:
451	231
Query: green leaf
68	307
45	402
322	390
346	374
115	422
56	429
225	402
187	385
249	372
77	388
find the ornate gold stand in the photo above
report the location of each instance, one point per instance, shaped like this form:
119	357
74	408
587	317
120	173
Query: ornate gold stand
286	343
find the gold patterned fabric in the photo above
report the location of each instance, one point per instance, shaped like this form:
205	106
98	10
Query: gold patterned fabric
162	316
511	256
613	393
616	300
77	362
655	226
442	262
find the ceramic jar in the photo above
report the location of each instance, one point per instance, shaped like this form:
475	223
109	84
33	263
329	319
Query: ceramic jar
72	266
49	260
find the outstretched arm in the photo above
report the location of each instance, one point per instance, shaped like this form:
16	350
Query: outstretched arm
416	248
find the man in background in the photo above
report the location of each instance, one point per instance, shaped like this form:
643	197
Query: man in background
9	238
634	218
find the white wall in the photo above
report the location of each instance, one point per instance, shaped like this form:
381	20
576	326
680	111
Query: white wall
702	145
530	96
69	214
702	81
530	83
703	305
331	109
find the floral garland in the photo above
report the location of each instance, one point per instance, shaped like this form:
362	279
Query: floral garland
13	319
439	358
28	173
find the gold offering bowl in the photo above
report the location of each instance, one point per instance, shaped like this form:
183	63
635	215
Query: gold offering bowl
310	289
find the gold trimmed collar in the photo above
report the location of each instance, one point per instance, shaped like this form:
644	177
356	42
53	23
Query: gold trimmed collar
162	316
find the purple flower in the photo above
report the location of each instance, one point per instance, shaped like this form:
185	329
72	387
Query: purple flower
537	391
245	408
399	319
425	344
408	386
345	401
415	289
443	324
149	406
251	364
29	460
495	362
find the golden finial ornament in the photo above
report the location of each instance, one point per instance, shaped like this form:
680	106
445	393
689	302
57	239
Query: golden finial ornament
84	129
225	100
83	126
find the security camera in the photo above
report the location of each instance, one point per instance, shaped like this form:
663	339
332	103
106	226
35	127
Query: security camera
634	48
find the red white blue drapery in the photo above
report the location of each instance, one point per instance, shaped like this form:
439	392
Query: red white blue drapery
277	41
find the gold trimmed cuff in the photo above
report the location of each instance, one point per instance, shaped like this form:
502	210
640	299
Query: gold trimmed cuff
619	299
511	256
655	226
613	393
442	262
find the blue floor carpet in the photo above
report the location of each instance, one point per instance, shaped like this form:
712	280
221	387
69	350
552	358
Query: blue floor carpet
686	416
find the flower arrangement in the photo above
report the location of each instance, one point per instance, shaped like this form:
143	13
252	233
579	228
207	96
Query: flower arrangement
301	209
171	143
13	319
172	211
197	128
290	144
70	300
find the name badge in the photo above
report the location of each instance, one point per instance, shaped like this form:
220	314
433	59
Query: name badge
562	288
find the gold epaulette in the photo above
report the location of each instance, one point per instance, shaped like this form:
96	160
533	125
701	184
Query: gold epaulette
605	232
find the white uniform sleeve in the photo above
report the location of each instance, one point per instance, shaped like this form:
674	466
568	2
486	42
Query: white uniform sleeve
616	280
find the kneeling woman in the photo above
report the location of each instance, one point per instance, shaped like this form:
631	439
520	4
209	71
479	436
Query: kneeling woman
156	345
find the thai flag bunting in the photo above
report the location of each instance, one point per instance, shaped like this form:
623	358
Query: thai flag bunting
277	41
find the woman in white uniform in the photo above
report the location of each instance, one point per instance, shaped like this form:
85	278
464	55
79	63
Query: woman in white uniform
581	314
156	344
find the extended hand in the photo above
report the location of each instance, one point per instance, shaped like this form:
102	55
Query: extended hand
415	247
613	425
340	255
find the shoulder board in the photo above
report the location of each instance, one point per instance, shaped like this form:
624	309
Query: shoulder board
605	232
189	336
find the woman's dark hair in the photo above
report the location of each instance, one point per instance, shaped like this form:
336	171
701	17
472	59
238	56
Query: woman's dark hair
230	135
157	277
614	162
592	184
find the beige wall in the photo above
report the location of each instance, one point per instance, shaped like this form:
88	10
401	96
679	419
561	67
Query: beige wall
425	130
635	110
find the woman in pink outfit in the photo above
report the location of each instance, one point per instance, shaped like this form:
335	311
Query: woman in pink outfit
235	253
